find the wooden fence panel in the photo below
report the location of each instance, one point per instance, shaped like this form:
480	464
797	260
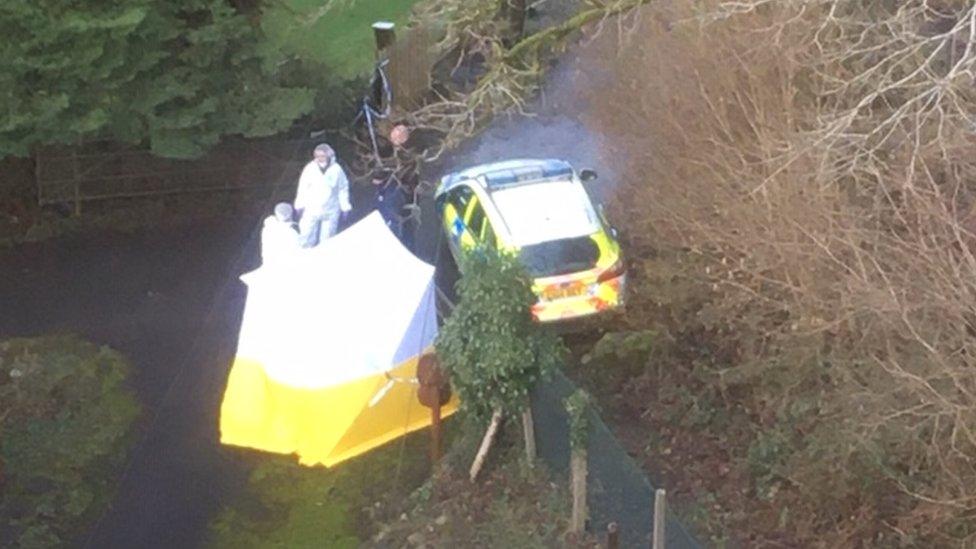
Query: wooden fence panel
101	171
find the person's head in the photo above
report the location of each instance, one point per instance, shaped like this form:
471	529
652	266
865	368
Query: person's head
284	212
399	135
323	154
381	176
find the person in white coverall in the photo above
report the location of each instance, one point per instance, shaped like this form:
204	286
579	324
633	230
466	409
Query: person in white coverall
323	194
279	237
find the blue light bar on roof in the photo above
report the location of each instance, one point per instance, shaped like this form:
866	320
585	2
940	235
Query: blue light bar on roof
513	172
552	169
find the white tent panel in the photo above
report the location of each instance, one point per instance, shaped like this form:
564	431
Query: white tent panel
356	305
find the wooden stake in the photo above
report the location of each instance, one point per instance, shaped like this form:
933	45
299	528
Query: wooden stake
479	459
433	393
613	537
659	513
528	427
577	466
435	433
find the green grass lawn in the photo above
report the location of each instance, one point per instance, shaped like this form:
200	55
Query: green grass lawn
341	38
287	505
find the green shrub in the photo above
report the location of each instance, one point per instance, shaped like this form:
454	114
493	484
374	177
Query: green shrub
492	349
66	419
622	346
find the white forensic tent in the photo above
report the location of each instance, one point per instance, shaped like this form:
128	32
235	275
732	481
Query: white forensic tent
328	348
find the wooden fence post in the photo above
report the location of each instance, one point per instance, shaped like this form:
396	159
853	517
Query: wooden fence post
659	519
577	464
528	427
577	409
434	391
613	536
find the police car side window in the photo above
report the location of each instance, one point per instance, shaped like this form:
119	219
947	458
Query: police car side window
460	198
476	220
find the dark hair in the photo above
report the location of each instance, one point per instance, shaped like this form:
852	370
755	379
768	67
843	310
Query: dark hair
382	174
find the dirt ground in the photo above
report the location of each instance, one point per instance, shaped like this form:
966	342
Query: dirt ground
511	505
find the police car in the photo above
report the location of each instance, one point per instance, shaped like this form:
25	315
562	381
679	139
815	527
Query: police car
539	210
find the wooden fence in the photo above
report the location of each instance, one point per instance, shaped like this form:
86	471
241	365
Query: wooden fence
100	171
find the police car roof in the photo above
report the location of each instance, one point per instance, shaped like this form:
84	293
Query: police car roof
545	210
513	172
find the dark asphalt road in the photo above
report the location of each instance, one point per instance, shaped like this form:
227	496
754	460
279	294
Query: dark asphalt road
152	297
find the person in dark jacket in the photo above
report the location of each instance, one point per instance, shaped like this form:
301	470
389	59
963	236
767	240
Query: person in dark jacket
390	200
397	156
403	162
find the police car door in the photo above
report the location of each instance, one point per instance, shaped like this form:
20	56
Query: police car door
455	213
476	222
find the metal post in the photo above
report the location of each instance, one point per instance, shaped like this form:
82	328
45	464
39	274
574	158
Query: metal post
659	513
384	34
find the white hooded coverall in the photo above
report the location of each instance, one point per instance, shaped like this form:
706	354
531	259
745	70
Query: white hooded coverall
278	239
320	198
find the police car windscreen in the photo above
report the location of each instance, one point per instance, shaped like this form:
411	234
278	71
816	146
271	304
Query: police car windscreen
558	257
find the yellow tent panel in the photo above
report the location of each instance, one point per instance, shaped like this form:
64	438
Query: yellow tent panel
335	376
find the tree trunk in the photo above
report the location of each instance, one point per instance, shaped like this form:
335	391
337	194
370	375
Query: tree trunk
528	427
479	459
577	466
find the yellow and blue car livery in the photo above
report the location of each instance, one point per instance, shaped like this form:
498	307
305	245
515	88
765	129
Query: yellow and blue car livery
540	210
